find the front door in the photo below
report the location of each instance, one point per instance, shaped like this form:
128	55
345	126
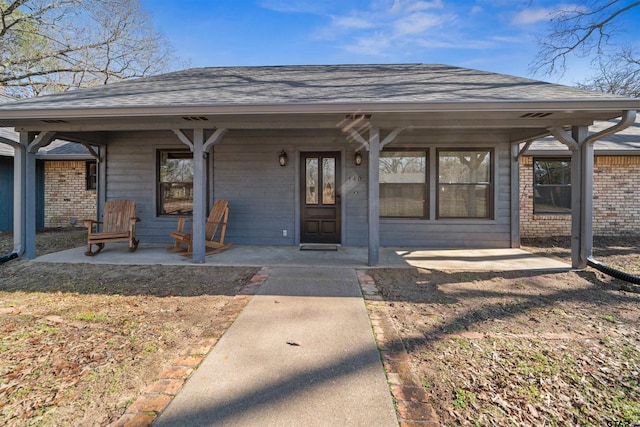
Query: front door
320	198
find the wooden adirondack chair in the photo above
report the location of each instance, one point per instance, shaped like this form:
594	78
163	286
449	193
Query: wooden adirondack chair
119	224
217	219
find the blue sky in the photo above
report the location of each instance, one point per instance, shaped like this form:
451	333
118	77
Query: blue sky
491	35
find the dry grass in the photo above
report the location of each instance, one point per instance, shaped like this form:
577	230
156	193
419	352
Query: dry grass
521	348
81	342
524	348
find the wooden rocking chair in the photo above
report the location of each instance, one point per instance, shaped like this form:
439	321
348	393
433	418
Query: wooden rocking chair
217	217
119	224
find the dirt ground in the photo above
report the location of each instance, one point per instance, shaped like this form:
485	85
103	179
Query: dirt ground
525	348
80	342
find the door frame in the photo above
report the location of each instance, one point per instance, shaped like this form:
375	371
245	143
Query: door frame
340	184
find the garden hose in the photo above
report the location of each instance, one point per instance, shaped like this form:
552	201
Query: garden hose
631	278
8	257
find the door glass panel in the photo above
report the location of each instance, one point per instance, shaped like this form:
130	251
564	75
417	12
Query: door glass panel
312	181
328	181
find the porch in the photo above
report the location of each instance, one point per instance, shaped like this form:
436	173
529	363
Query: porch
235	126
509	259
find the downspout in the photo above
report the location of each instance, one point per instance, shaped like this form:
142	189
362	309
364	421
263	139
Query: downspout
628	118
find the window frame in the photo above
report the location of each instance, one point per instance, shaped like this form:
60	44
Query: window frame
535	186
491	186
158	183
91	178
425	185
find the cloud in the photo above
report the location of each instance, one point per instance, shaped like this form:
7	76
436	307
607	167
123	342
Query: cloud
296	6
384	28
531	16
416	23
352	22
535	15
371	45
385	24
415	6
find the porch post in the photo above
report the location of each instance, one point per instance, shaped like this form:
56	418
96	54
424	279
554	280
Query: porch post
200	149
31	146
586	230
579	215
30	204
101	192
199	196
515	195
19	197
374	196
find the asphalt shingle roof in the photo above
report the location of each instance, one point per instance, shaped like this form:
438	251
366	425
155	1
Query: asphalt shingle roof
6	149
313	84
627	140
58	147
5	98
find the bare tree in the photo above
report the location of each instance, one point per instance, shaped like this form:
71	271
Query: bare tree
619	75
589	30
54	45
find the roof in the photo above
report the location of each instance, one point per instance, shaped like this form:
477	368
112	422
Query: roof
312	84
56	150
63	150
5	98
6	149
422	97
624	142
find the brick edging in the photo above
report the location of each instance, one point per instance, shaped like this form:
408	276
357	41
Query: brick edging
157	396
411	400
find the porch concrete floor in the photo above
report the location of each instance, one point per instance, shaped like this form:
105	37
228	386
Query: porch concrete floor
344	257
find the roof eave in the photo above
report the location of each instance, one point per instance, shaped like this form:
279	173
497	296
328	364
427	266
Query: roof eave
613	105
567	153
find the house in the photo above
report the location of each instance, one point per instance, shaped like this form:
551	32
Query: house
420	155
65	180
545	185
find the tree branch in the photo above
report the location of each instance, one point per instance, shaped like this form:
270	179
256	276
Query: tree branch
53	45
578	29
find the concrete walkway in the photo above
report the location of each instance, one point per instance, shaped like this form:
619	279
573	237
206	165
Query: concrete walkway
344	257
301	353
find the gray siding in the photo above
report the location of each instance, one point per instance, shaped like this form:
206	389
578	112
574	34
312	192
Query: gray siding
131	174
6	193
355	200
264	197
260	192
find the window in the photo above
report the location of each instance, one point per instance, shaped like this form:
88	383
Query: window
403	184
551	186
325	177
91	173
465	187
175	183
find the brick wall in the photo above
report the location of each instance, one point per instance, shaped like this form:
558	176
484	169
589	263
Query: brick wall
616	200
66	198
